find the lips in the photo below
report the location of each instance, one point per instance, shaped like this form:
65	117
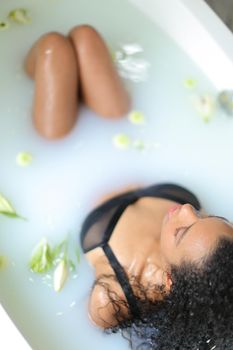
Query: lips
173	210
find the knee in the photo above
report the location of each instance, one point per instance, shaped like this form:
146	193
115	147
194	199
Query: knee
83	32
51	42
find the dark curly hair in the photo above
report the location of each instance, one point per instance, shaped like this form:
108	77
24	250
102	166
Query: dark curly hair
197	314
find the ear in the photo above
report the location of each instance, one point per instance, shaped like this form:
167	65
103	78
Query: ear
107	299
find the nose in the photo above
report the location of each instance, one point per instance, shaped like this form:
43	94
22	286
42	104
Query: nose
188	212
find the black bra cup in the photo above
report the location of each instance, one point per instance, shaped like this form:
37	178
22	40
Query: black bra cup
99	224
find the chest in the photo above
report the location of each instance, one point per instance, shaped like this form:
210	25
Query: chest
136	237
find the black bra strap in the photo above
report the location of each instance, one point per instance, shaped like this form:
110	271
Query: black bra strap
115	218
122	279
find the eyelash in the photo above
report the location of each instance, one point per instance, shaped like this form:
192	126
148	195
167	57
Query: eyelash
183	228
179	233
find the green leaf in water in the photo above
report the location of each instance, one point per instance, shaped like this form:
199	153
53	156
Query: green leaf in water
5	206
205	105
3	262
19	16
42	257
137	117
7	209
190	83
4	25
24	159
121	141
13	215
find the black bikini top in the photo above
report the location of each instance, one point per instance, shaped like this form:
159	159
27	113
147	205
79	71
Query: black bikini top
100	223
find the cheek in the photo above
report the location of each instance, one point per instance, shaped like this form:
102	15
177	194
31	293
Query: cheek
167	241
168	250
192	250
173	254
195	248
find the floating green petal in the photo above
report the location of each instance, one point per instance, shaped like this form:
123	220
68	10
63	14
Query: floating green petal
7	209
5	206
4	25
137	117
19	16
190	83
42	258
3	262
24	159
121	141
205	106
60	276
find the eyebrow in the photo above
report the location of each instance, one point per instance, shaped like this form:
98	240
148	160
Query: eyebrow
188	228
218	217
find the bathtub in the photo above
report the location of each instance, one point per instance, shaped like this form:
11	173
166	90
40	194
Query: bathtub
48	321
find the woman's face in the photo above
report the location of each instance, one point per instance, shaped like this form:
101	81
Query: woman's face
187	235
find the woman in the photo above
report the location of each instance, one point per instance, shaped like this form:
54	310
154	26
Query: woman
163	269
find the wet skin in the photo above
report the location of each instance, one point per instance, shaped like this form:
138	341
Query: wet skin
150	236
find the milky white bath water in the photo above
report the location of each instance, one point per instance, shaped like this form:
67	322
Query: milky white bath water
170	142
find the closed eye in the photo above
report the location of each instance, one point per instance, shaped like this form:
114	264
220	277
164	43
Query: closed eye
180	232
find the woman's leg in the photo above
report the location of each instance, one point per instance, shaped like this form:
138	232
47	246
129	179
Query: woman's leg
52	63
101	87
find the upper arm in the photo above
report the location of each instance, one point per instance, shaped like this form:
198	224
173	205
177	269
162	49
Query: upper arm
107	304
